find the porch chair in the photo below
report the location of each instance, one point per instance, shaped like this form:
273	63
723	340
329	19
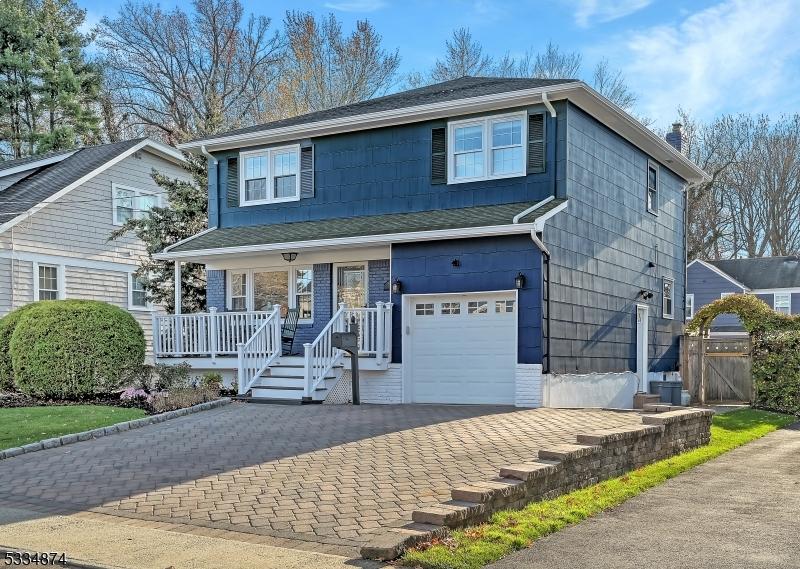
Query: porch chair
288	331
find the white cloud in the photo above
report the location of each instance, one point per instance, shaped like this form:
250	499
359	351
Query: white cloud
356	5
739	55
588	12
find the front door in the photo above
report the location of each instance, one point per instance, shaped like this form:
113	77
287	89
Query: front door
641	345
351	285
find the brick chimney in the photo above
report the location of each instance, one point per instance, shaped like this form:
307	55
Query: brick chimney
675	136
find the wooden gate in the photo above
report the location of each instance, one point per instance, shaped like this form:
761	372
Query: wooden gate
717	369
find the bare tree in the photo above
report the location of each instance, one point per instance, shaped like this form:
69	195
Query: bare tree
612	85
323	68
184	74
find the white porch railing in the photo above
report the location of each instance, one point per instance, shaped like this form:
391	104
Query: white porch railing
260	350
374	339
205	334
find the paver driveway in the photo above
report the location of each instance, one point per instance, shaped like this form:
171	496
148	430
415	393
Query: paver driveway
325	474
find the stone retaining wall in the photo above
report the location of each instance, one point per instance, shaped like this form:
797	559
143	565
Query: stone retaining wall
597	456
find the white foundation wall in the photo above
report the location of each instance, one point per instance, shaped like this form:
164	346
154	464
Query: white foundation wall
528	385
606	390
381	386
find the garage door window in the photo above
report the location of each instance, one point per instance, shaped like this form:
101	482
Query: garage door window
424	309
477	307
501	306
451	308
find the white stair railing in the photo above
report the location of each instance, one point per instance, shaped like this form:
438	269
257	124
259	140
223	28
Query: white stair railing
260	350
320	355
374	329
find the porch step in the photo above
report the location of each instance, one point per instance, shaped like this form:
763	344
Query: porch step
284	381
282	392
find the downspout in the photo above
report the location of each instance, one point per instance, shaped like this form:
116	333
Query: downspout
545	252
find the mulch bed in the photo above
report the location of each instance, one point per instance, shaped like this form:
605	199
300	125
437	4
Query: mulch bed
22	400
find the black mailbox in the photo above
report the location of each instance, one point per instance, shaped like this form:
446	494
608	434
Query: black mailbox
347	341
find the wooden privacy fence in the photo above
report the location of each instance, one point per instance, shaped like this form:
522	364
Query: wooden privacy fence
717	369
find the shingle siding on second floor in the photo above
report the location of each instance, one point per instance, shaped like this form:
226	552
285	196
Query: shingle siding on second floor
386	170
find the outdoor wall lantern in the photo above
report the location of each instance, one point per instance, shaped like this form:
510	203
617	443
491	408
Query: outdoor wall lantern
519	281
645	294
456	262
397	287
289	256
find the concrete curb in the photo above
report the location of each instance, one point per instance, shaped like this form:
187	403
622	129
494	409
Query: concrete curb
111	429
70	563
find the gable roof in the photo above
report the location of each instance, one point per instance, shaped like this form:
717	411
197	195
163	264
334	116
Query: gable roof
762	273
459	97
384	228
47	183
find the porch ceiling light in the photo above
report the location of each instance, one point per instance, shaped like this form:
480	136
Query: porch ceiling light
519	281
289	256
397	286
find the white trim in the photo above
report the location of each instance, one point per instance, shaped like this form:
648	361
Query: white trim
533	208
148	307
36	164
486	123
458	233
578	92
789	290
268	154
67	261
161	149
655	210
720	272
61	292
136	211
538	223
727	294
664	281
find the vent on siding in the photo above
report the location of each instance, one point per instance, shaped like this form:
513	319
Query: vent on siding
536	144
307	172
232	183
439	155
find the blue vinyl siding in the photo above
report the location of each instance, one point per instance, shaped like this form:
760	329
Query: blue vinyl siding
486	264
707	286
601	248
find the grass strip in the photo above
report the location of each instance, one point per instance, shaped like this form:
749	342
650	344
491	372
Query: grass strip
508	531
22	425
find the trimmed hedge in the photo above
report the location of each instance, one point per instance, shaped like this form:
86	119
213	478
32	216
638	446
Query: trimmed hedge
73	348
7	326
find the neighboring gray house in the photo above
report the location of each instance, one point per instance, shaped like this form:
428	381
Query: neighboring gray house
57	212
775	280
509	241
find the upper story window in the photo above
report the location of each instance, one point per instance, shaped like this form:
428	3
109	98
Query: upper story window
783	302
270	176
486	148
132	203
667	298
652	187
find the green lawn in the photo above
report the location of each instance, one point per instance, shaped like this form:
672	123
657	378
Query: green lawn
22	425
511	530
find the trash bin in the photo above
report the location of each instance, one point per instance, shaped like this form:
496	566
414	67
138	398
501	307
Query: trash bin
670	391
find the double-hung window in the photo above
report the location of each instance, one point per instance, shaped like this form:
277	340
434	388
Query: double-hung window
131	203
783	302
138	295
486	148
270	176
238	288
652	187
48	282
262	289
667	298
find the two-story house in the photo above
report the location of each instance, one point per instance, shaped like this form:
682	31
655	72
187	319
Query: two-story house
57	213
508	241
775	280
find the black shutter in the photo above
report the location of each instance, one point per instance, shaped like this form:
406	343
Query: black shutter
232	183
439	155
307	171
536	143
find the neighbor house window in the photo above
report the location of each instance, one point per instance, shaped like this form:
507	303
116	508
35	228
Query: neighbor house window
667	296
726	294
689	306
138	297
239	291
652	188
48	282
270	175
132	203
486	148
783	302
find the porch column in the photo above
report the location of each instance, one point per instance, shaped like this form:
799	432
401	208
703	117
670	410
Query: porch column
178	265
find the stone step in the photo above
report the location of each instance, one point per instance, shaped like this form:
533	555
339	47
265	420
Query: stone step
528	470
661	407
450	514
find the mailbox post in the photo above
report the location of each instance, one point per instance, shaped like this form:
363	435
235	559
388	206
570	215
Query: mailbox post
348	341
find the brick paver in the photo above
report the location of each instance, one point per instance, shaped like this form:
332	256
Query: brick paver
328	474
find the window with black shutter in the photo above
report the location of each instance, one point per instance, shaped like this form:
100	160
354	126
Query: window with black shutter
232	183
536	143
439	155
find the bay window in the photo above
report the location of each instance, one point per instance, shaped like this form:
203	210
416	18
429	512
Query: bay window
261	289
486	148
270	175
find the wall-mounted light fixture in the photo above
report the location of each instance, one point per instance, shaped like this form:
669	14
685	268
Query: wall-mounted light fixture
645	294
651	264
289	256
519	281
456	262
397	286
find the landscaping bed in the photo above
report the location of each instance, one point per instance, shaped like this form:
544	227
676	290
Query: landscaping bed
508	531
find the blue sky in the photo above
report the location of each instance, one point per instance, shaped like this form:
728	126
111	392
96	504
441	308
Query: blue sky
709	57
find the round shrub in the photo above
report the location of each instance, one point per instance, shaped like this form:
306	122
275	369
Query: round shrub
7	325
72	348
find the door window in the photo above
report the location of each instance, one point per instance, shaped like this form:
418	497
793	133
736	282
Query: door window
270	288
351	286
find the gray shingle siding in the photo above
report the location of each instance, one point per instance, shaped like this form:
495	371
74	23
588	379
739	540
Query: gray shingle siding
215	289
707	286
378	276
601	247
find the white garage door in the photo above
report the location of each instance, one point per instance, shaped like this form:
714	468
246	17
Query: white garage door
463	348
